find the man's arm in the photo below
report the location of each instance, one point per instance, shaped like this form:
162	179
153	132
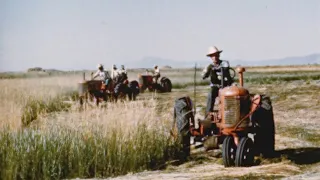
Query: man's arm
206	71
96	74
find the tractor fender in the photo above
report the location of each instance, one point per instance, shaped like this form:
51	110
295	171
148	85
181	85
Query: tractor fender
255	103
163	79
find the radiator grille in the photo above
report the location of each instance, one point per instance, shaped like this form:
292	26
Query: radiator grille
231	111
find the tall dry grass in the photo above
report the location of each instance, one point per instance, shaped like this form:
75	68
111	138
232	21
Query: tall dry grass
97	142
122	138
15	94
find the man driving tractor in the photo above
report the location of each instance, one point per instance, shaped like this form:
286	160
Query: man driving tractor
105	78
102	74
216	70
156	74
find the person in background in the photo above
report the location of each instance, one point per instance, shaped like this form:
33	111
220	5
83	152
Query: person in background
156	74
123	70
114	72
122	75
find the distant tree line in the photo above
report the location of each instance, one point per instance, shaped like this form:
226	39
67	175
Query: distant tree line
36	69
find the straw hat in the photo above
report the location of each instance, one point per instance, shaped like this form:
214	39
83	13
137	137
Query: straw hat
213	50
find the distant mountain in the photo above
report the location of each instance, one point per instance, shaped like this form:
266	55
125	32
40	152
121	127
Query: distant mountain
149	62
298	60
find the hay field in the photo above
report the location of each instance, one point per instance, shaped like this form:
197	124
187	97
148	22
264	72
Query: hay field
63	142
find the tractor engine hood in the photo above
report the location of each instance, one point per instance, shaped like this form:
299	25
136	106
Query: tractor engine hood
233	91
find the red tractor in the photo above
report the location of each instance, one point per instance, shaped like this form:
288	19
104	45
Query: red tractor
97	91
243	124
146	82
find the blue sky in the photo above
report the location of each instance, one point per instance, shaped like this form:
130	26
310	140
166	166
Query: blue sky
77	34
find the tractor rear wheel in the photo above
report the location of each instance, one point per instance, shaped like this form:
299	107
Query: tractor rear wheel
182	115
263	120
166	85
228	151
244	153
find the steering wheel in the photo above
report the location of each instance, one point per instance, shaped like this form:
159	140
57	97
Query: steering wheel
233	74
225	64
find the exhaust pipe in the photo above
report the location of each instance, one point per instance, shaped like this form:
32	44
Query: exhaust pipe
240	70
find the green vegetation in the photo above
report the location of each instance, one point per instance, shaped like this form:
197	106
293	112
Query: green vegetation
64	153
280	79
35	107
300	133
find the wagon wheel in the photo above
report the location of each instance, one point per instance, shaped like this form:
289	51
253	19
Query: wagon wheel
244	153
81	101
228	151
134	90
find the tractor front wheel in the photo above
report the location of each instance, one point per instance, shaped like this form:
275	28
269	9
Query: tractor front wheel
244	153
228	151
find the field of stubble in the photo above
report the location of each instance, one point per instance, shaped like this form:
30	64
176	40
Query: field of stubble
42	137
